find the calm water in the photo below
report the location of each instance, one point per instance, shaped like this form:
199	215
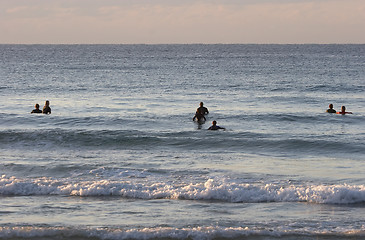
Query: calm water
121	158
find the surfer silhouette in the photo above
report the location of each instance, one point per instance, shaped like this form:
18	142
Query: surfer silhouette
36	110
215	126
343	111
46	108
330	109
202	110
199	117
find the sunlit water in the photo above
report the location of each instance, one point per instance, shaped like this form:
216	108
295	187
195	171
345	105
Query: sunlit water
121	158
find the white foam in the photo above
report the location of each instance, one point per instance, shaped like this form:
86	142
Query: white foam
168	232
209	190
117	173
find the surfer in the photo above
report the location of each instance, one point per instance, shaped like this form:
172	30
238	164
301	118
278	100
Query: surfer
36	110
343	111
331	110
199	117
214	126
46	108
202	110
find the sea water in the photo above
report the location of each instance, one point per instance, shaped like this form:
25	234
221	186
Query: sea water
121	158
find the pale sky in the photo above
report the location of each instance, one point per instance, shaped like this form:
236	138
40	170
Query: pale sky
182	21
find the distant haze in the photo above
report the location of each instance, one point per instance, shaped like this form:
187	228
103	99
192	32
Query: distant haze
182	21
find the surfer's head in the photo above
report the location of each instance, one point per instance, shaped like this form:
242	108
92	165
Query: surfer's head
330	106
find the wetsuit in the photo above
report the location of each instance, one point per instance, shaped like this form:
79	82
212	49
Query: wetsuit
215	127
203	110
331	110
343	113
46	110
36	111
200	117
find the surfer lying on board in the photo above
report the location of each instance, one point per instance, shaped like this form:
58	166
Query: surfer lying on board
343	111
331	110
214	126
199	117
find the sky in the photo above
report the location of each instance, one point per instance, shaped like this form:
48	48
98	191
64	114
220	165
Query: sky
181	21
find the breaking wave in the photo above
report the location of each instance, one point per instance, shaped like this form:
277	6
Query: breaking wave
210	190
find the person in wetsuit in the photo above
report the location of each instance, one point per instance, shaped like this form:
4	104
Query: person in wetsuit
331	110
202	110
214	126
199	117
343	111
46	108
36	110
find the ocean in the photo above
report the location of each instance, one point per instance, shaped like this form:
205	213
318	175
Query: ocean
120	157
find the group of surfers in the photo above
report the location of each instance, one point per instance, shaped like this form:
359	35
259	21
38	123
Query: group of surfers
46	108
200	113
343	110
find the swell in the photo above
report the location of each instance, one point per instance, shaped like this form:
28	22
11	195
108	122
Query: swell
187	140
210	190
103	122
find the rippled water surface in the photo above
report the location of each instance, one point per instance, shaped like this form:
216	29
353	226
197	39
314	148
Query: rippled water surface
121	158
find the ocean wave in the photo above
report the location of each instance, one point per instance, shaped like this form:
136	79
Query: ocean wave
211	190
310	118
87	119
69	138
201	233
133	139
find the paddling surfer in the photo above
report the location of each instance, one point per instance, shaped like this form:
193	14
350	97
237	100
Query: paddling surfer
343	111
215	126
